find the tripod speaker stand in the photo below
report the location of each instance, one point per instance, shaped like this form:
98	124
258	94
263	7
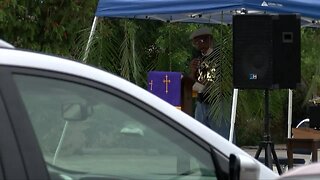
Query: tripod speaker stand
267	144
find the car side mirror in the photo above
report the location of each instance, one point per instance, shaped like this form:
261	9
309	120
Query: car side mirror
242	167
76	111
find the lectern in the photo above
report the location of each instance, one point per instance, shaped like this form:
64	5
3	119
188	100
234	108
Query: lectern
186	95
173	87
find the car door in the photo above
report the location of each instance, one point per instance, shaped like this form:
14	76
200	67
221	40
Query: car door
10	159
86	129
20	154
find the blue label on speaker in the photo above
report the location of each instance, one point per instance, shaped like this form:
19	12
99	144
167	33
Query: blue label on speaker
253	76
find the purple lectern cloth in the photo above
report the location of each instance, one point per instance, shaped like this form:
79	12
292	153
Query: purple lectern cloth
166	85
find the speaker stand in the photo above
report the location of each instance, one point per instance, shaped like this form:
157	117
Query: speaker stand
267	144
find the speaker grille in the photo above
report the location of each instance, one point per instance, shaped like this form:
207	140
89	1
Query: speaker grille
266	51
252	42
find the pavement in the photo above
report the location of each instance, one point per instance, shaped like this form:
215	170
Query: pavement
281	152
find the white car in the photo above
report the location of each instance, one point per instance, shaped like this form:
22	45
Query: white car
61	119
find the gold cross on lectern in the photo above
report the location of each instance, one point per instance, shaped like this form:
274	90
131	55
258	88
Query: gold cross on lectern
151	83
166	81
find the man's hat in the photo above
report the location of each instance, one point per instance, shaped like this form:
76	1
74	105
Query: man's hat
200	32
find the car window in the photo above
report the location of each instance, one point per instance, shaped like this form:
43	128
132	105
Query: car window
87	132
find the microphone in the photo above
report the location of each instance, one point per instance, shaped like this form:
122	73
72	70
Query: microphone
196	54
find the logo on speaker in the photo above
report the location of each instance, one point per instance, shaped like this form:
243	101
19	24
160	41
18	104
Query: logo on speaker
253	76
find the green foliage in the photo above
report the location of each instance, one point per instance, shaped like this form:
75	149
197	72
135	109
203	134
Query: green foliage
46	26
174	47
120	47
310	62
220	91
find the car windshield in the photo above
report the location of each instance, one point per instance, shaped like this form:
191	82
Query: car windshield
87	132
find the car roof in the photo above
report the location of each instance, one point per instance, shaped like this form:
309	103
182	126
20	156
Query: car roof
21	58
303	172
4	44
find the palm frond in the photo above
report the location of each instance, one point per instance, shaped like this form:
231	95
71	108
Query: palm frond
129	62
219	92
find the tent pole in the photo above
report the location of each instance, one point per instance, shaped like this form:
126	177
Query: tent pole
93	28
233	113
289	113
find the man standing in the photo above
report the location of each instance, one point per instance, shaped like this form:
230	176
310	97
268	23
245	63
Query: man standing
203	72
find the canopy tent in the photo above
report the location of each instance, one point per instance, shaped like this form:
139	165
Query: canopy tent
206	11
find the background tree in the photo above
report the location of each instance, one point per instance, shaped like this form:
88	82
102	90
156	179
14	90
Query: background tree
50	26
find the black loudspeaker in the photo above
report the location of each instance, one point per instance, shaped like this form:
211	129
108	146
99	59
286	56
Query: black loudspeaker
266	51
